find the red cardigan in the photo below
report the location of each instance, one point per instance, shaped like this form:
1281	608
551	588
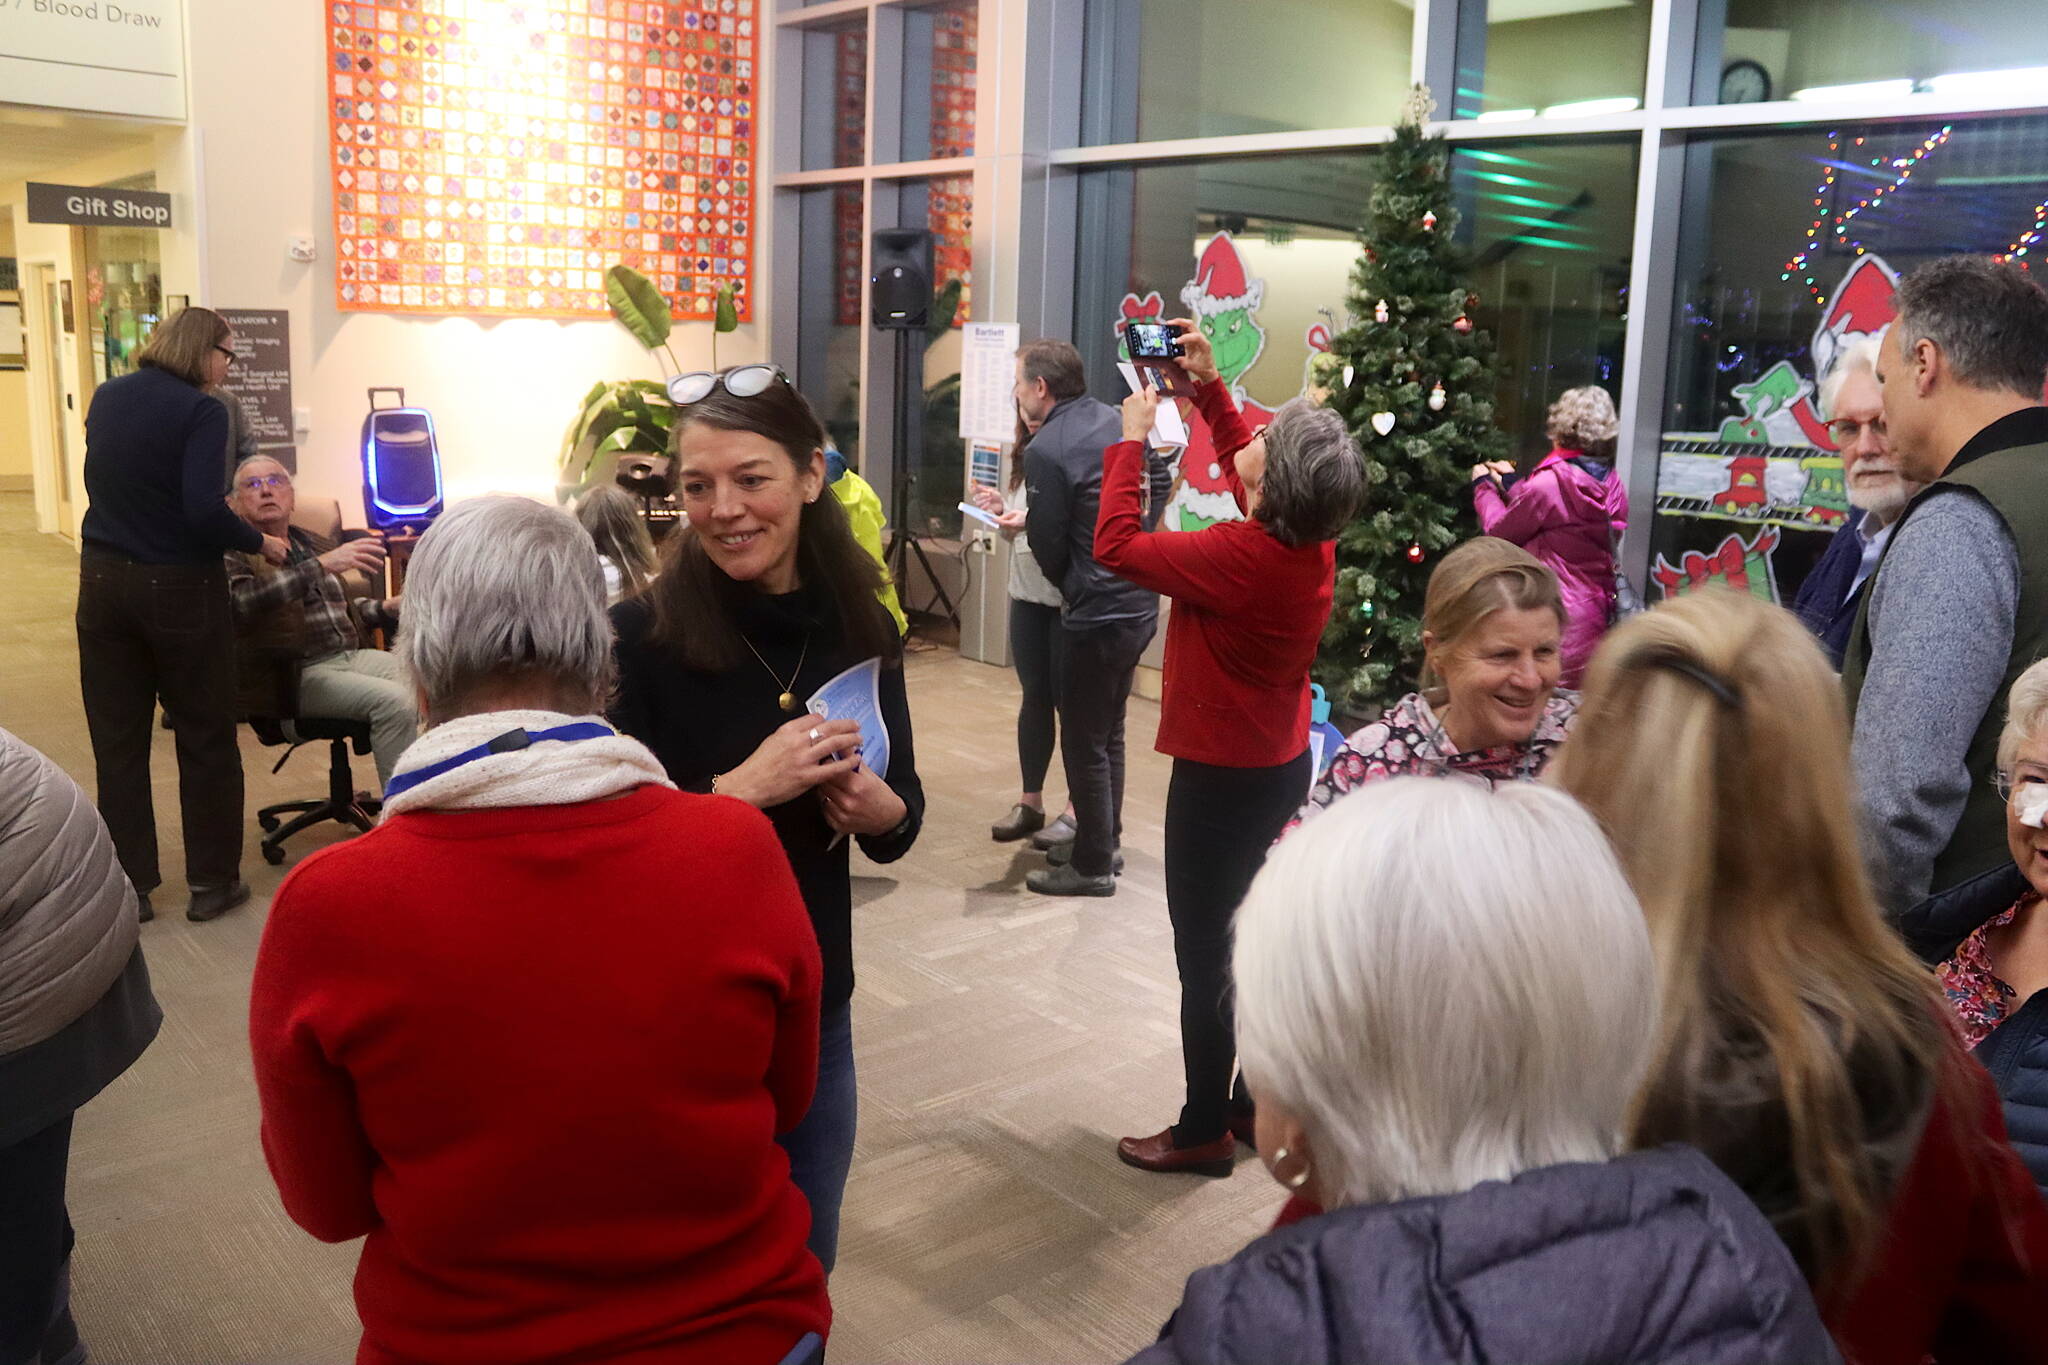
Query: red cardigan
540	1056
1248	611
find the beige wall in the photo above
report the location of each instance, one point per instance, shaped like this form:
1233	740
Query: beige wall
14	448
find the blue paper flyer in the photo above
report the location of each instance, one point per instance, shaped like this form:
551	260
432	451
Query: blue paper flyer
856	694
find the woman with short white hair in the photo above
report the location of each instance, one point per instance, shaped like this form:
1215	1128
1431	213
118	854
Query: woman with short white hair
535	1035
1446	1001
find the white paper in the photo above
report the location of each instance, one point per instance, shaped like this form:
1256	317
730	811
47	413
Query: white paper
971	510
856	694
1169	429
988	381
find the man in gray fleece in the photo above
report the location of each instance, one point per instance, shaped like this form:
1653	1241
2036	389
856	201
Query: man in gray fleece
1959	605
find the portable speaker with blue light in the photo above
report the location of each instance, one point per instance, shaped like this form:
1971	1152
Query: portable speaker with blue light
401	466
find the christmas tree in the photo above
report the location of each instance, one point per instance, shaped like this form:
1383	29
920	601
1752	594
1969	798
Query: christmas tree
1413	377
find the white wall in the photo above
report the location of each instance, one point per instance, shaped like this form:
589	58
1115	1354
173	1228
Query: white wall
501	390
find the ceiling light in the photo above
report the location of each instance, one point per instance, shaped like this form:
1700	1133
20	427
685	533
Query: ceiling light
1854	90
2019	80
1590	108
1504	115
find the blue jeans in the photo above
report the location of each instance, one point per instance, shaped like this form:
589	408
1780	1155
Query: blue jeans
820	1147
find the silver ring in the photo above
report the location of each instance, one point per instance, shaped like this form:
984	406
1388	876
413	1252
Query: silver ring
814	734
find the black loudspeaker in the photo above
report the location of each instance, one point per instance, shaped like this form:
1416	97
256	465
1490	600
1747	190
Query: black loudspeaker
900	292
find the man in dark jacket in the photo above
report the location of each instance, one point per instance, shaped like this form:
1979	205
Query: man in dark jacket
1107	621
1829	598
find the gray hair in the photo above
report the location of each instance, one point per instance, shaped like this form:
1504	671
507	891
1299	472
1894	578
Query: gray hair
1989	319
1315	476
1584	419
1860	354
235	479
1445	985
2026	710
506	590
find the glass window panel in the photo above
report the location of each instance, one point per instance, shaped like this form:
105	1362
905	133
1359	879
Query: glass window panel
944	205
835	96
1148	72
831	308
1787	247
1753	50
1520	58
939	81
1550	225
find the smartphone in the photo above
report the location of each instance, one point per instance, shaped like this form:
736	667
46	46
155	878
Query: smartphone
1152	341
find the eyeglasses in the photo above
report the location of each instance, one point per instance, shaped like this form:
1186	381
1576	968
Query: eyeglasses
741	381
256	483
226	352
2006	783
1845	431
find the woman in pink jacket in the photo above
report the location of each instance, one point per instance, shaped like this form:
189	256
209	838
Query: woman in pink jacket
1566	512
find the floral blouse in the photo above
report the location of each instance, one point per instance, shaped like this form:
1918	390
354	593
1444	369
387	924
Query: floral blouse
1980	999
1409	741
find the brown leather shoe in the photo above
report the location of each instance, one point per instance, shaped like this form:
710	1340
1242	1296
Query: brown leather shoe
1157	1153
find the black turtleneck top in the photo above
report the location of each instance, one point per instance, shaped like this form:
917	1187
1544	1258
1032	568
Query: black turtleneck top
699	724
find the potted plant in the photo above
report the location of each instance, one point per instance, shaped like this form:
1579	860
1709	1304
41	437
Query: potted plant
623	425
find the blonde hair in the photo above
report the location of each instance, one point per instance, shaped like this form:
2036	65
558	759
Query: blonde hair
1584	420
183	345
1349	943
1480	577
2026	708
1800	1040
608	514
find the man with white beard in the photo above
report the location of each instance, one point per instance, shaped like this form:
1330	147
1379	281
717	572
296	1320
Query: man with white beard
1854	404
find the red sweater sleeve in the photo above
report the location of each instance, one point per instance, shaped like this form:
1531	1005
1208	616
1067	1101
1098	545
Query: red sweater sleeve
314	1142
1210	568
1227	433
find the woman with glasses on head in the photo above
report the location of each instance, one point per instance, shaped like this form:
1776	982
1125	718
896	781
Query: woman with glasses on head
763	598
153	614
1801	1047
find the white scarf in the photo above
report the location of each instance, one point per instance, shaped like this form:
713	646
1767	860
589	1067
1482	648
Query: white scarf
552	772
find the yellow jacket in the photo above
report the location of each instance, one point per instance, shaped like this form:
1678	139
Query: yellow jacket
864	509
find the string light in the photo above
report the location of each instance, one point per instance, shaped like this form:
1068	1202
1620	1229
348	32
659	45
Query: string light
1836	228
2027	240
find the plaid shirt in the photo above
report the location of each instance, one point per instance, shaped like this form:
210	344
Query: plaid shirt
334	621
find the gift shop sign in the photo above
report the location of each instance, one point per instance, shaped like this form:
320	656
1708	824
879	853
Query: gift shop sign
97	207
103	56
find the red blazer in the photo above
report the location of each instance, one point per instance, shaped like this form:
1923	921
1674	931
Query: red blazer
1248	611
540	1056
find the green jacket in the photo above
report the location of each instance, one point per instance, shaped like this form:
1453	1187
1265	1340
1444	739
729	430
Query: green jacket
864	509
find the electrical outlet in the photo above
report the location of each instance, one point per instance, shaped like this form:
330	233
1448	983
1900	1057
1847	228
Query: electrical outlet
984	543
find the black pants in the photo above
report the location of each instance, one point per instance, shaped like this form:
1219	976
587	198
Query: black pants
1035	648
35	1245
1219	824
1097	665
162	630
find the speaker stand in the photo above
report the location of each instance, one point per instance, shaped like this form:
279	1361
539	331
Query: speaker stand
909	400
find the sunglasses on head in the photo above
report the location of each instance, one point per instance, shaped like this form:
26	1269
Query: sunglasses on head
741	381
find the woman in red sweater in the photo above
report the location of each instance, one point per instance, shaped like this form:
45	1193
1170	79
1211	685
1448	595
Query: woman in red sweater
535	1035
1250	599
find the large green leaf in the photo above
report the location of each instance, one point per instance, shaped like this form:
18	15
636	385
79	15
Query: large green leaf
726	317
944	305
638	305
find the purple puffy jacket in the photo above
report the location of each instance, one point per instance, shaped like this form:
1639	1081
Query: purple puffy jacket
1566	512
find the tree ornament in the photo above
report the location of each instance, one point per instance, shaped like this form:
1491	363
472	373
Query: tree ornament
1462	325
1365	609
1414	554
1379	311
1436	399
1383	422
1348	373
1429	221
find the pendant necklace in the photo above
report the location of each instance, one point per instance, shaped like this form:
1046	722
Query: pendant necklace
787	698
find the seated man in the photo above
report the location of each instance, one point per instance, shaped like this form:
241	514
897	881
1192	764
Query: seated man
303	605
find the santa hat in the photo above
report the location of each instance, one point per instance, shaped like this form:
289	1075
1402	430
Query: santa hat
1219	285
1862	306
